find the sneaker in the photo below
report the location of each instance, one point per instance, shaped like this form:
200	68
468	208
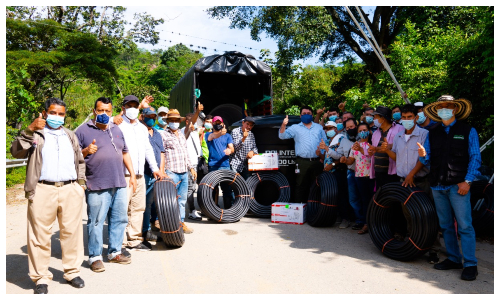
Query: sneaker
41	289
155	226
344	224
186	229
433	258
357	226
469	273
144	246
194	216
151	236
97	266
447	265
121	259
126	253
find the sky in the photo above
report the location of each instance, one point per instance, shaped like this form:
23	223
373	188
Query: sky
194	21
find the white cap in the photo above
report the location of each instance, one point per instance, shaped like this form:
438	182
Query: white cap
419	104
162	109
331	123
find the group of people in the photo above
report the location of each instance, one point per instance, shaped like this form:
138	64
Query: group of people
423	146
112	163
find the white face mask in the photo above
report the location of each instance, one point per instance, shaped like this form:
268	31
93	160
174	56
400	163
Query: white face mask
132	113
173	125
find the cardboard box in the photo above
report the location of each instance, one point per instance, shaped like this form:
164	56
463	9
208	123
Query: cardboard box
288	213
263	162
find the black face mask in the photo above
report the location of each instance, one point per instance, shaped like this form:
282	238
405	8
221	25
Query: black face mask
218	127
352	133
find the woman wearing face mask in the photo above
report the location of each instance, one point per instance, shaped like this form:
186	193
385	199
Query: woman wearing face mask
362	160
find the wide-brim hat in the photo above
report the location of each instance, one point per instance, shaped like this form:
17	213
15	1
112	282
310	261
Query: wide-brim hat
174	113
464	108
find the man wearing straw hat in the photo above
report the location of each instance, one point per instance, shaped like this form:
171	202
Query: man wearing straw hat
453	151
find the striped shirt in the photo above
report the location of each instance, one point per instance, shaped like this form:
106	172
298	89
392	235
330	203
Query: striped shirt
176	155
474	157
239	157
306	139
58	156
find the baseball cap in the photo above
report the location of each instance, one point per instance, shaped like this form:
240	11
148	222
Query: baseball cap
163	109
330	123
249	119
217	118
148	111
130	98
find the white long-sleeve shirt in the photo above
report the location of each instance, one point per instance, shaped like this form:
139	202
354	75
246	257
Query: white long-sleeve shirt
139	148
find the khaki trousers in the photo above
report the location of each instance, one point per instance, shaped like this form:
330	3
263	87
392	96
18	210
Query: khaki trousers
49	202
136	207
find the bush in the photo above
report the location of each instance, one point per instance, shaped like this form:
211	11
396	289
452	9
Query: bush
15	176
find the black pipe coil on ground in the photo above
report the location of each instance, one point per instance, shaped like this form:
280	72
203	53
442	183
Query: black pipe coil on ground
322	204
241	192
168	212
481	200
386	207
281	183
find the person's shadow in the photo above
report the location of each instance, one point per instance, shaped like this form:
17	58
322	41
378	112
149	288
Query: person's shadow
17	264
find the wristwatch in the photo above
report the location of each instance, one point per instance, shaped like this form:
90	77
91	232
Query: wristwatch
468	182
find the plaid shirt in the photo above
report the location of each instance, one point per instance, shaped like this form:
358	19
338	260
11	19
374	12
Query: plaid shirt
239	157
176	155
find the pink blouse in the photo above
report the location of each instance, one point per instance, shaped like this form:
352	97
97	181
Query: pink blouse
363	162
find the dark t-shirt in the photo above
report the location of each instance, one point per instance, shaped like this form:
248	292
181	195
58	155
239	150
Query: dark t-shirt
104	169
216	156
382	159
157	144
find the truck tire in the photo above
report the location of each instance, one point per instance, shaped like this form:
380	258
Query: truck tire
230	113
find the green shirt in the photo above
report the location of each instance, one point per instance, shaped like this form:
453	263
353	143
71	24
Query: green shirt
204	147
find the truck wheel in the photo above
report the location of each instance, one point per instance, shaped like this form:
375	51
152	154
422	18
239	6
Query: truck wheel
230	113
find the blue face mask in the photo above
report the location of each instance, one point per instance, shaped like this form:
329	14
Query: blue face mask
408	124
421	117
208	126
333	118
161	122
445	113
340	126
330	133
369	119
396	116
306	119
102	119
149	122
55	121
377	123
363	134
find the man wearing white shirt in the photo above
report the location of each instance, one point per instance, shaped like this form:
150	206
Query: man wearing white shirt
137	139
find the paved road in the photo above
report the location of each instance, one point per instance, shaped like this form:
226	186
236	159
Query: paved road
250	256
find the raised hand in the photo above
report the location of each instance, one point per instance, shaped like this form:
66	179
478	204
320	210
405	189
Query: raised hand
38	123
322	145
320	111
245	133
318	151
146	101
371	149
92	147
421	150
118	118
342	105
224	130
356	147
200	106
365	105
385	146
285	121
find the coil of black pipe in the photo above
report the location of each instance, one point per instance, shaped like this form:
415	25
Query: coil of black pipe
322	202
206	199
481	200
279	181
168	212
385	218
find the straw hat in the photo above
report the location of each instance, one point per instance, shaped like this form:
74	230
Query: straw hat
464	107
174	114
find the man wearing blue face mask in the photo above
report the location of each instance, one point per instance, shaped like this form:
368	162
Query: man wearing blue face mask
368	119
54	186
162	114
454	155
423	121
307	136
396	114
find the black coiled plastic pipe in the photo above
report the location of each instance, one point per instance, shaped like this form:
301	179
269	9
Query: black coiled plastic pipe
281	184
322	204
168	212
206	199
481	200
384	211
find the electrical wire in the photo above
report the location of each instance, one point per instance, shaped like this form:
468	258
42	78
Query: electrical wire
322	206
420	223
481	200
168	212
206	198
281	184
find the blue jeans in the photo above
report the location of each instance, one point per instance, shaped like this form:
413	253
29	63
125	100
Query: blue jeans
111	203
150	184
227	191
354	196
181	179
365	186
450	204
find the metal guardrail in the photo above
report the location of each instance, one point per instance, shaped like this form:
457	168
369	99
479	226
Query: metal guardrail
12	163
